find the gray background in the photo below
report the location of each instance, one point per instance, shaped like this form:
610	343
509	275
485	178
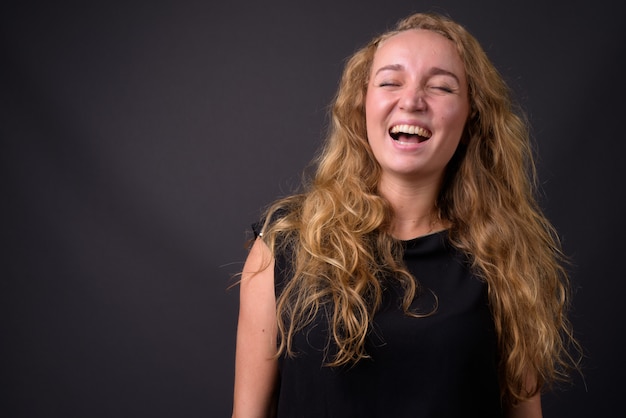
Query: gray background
140	139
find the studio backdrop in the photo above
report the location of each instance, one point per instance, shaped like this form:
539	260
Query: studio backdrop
141	139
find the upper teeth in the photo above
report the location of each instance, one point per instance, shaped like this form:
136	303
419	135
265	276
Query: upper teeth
411	130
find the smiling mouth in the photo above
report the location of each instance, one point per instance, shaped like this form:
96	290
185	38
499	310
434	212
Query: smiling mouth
409	133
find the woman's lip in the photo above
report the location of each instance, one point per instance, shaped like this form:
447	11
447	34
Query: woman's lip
412	144
410	129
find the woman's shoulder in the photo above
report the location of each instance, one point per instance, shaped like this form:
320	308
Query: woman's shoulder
280	215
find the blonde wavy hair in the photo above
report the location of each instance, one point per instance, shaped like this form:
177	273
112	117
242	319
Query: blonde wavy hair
336	230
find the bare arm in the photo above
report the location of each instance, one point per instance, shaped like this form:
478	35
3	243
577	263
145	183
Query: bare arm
530	408
527	409
255	367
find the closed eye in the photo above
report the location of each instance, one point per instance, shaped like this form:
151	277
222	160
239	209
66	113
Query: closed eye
444	89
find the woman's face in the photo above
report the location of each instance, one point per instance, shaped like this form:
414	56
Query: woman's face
416	105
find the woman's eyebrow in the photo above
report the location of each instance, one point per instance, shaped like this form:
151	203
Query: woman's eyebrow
441	71
390	67
432	71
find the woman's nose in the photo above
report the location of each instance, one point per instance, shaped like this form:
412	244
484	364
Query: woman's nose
412	100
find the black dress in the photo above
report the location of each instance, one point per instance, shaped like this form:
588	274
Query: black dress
443	365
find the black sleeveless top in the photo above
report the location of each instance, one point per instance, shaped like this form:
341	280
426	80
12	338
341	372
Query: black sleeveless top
442	365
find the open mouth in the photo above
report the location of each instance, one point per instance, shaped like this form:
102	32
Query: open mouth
409	133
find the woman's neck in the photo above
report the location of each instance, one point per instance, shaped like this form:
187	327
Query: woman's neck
414	209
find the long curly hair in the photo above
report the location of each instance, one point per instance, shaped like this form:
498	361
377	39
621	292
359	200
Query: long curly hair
336	230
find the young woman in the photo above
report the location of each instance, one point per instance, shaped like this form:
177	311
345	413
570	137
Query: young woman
415	276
